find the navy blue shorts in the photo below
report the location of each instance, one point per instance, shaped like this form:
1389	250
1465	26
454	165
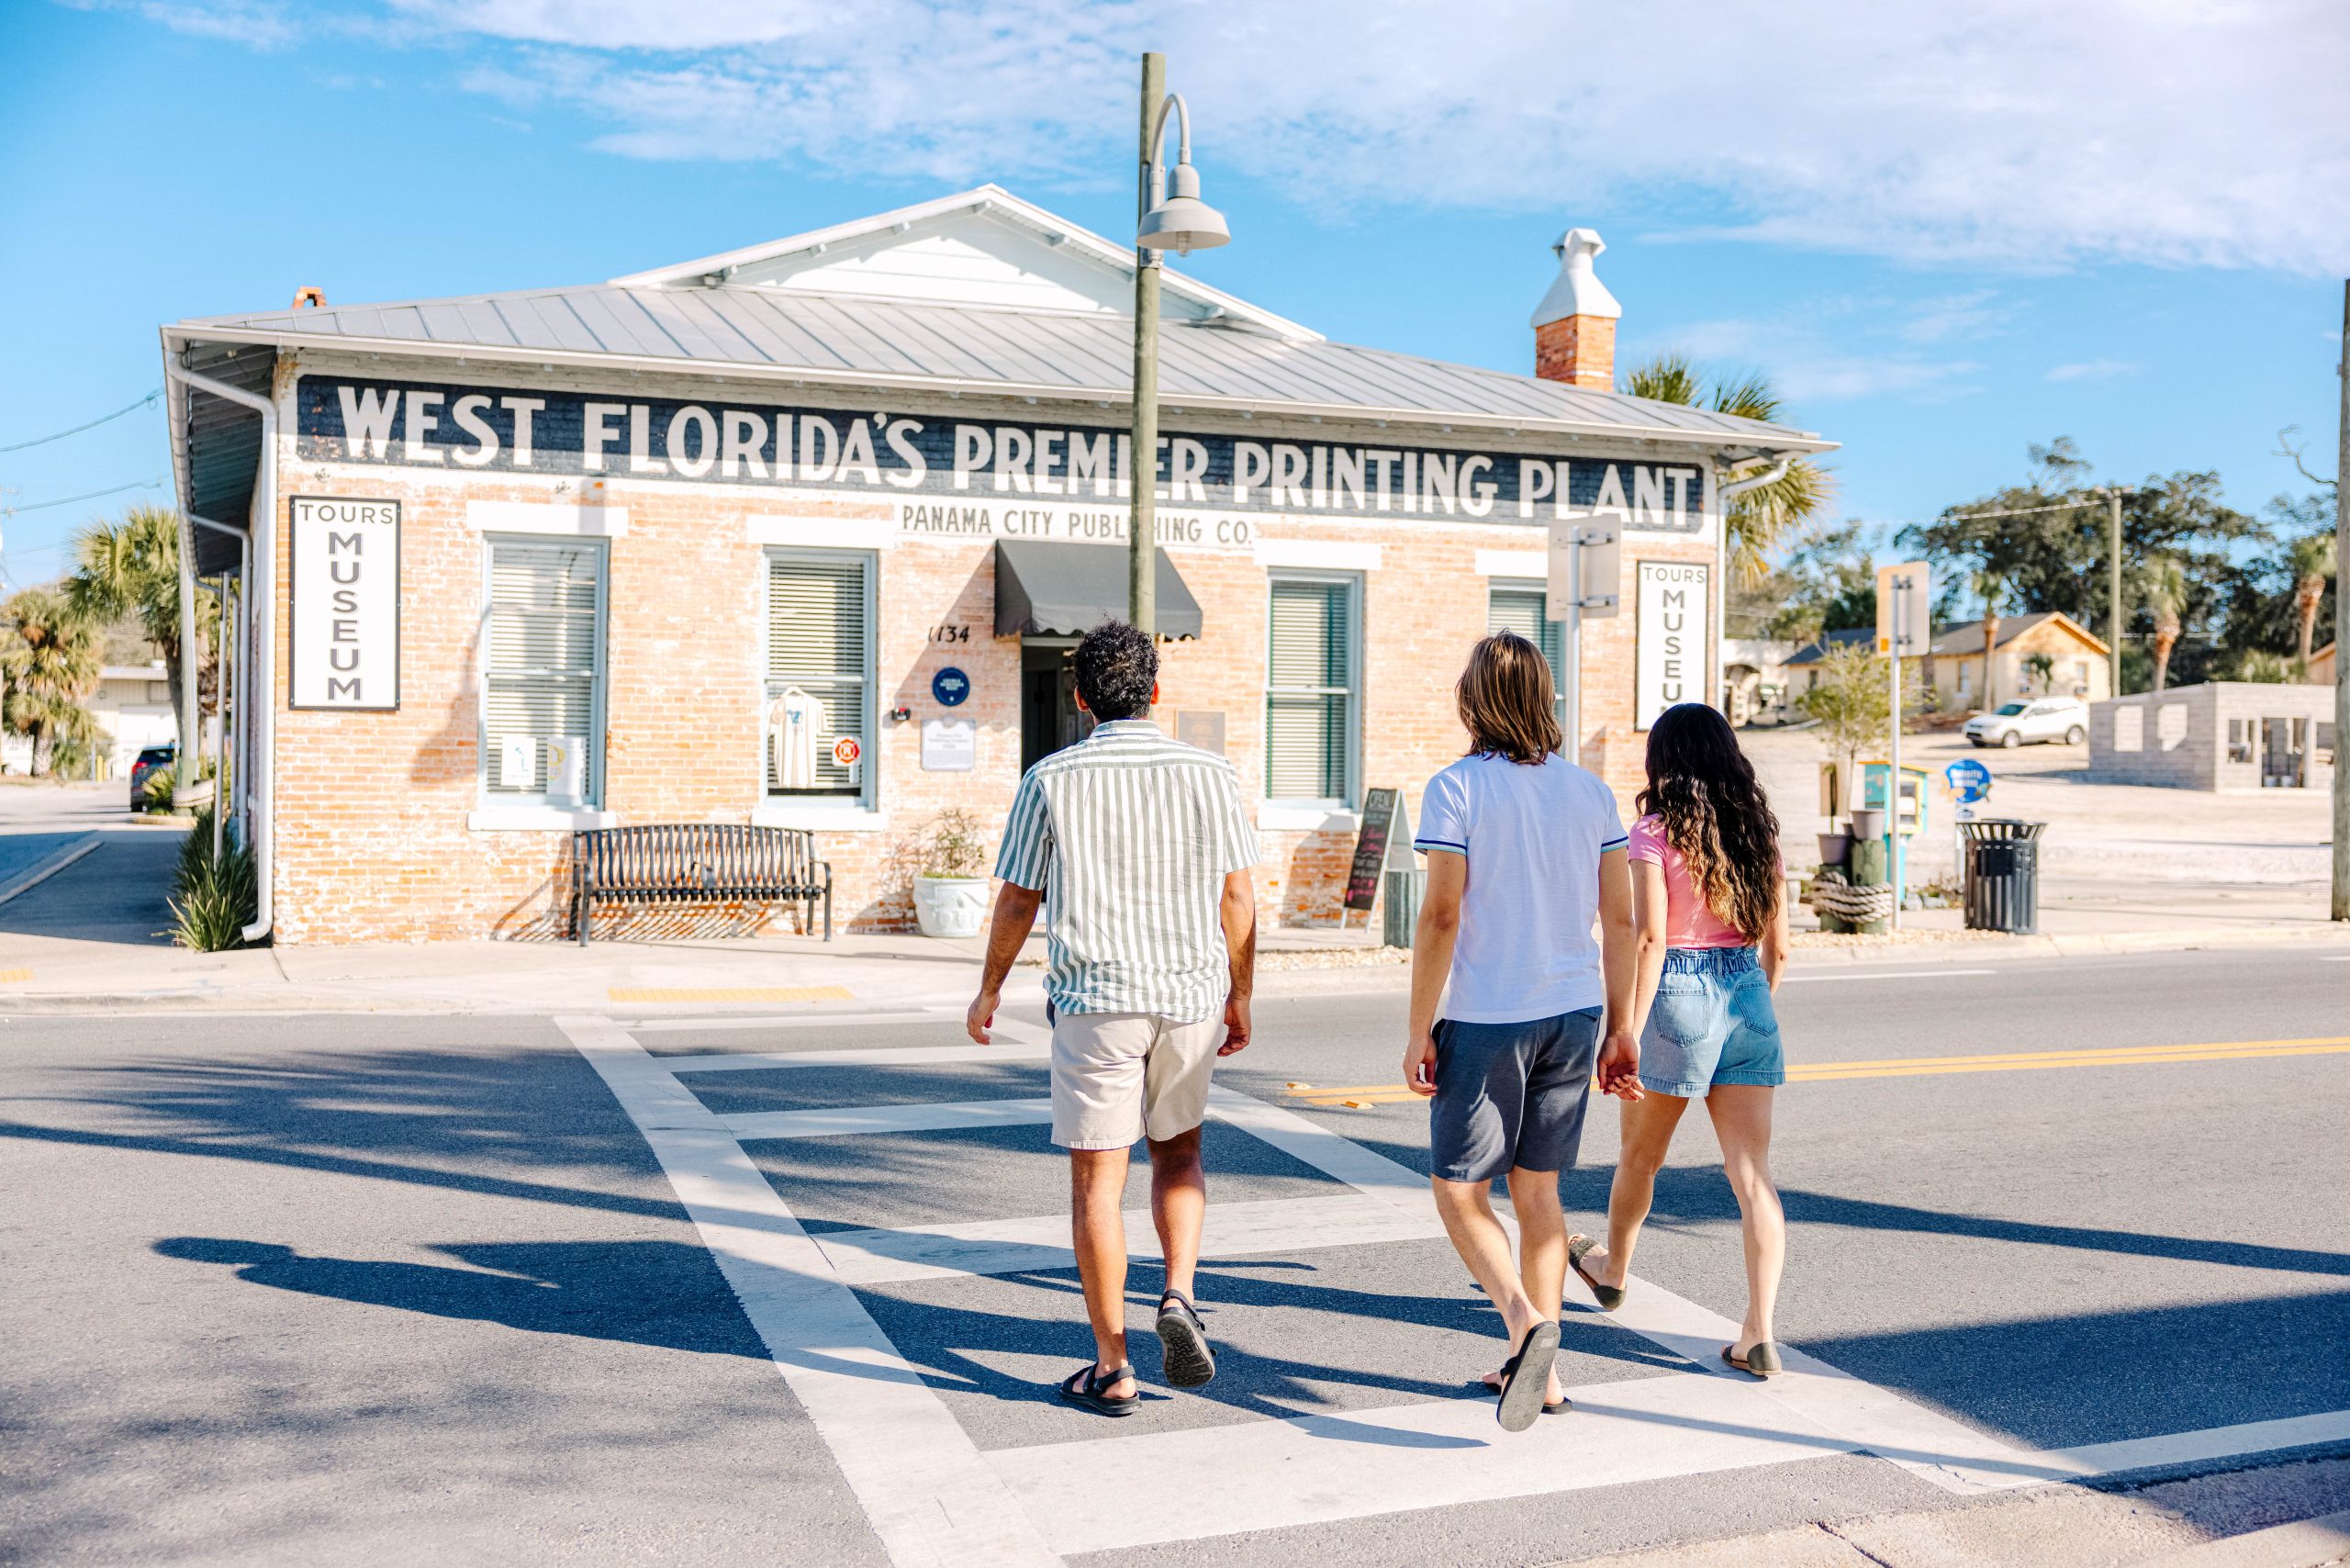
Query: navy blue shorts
1510	1094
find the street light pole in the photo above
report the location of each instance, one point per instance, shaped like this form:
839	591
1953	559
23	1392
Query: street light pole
1142	466
2341	633
2113	586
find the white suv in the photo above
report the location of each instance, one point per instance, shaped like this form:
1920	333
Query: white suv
2064	719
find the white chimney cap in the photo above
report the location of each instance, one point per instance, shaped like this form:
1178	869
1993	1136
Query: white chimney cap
1577	290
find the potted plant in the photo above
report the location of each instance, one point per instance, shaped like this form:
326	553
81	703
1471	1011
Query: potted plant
950	879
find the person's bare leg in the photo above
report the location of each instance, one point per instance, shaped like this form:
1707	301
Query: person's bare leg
1178	1201
1097	1192
1467	1210
1648	1124
1741	1113
1541	1248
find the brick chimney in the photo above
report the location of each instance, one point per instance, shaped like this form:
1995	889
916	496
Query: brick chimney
1575	327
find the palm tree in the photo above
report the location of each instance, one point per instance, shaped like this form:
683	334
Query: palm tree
2165	591
50	657
132	567
1993	587
2311	559
1759	519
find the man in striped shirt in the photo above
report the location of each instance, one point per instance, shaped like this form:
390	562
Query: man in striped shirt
1141	854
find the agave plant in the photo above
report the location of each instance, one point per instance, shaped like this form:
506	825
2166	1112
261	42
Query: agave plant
213	897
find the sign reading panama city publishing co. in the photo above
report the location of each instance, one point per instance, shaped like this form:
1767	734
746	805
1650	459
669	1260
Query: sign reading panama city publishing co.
345	631
1669	661
969	466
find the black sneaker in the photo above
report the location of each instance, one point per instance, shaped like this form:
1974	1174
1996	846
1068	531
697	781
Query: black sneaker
1190	1362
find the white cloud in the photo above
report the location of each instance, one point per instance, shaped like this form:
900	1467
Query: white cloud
2090	370
1867	354
2015	132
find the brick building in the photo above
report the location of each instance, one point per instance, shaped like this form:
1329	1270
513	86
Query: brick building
801	535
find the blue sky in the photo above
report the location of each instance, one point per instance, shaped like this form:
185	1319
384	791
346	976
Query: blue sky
1948	231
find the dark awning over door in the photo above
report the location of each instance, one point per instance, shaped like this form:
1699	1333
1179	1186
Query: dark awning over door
1064	590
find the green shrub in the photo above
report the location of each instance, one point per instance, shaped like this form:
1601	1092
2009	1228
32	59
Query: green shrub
213	897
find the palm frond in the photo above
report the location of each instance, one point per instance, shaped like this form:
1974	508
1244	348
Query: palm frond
1667	378
1751	397
1763	518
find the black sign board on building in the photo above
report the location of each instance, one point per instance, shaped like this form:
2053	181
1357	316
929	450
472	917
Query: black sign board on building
1384	826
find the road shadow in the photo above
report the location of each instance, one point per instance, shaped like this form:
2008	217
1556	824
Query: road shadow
667	1295
119	892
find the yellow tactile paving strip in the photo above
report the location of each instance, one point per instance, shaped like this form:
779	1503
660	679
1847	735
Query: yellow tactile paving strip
6	976
731	993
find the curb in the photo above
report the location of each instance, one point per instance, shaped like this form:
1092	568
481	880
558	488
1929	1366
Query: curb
50	867
2304	1543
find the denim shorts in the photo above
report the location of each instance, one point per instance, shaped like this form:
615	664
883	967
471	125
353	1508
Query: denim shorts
1712	1024
1510	1095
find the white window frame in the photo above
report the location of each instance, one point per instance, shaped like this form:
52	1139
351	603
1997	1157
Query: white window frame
1319	808
858	812
1558	671
506	809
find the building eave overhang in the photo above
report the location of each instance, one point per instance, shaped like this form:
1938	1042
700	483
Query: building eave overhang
1731	445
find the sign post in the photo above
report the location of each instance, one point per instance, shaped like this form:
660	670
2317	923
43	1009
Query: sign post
1586	577
1904	630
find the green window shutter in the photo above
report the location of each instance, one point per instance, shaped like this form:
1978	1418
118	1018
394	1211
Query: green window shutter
543	670
1309	691
1519	610
820	640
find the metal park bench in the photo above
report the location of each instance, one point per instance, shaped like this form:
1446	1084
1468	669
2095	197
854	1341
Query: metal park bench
696	863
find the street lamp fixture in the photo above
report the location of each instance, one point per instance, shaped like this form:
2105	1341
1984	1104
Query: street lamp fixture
1181	223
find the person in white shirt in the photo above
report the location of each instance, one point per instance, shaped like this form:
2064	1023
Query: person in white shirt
1526	851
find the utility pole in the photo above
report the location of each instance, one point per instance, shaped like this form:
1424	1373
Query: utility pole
2113	586
2341	633
1142	467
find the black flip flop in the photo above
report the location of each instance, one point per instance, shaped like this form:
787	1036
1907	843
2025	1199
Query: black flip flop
1190	1363
1548	1407
1526	1378
1081	1388
1609	1297
1762	1361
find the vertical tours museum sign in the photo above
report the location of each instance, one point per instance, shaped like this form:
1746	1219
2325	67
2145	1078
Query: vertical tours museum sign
345	633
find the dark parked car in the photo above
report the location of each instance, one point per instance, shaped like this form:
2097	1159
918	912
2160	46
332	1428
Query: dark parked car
151	758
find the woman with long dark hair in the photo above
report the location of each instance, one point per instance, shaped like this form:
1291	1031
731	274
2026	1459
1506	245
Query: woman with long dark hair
1707	880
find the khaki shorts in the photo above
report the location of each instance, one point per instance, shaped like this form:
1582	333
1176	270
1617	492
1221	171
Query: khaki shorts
1121	1076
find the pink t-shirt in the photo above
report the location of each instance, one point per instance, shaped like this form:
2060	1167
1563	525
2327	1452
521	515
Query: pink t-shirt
1687	922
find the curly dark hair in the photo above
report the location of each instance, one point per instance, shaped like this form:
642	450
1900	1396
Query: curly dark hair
1116	668
1715	815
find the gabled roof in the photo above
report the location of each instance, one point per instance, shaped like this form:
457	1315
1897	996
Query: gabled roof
1216	352
1813	652
1968	638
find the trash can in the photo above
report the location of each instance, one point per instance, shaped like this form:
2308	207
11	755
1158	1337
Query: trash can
1403	901
2002	875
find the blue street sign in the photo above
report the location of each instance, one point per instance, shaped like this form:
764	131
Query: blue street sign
1970	781
950	686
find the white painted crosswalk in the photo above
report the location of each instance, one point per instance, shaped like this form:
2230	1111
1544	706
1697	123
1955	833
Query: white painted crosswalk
933	1498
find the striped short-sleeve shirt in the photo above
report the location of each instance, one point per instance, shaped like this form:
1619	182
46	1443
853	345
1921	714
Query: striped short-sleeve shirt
1130	835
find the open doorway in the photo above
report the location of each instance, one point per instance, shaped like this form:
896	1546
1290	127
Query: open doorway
1050	716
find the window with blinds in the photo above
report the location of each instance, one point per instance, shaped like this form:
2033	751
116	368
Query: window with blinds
819	673
542	703
1311	697
1519	610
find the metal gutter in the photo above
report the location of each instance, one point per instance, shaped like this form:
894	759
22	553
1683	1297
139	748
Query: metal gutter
259	803
1760	443
234	666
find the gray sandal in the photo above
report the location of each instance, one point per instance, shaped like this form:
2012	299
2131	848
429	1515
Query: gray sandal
1190	1362
1762	1361
1526	1378
1609	1297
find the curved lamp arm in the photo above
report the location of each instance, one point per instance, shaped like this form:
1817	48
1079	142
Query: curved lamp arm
1173	104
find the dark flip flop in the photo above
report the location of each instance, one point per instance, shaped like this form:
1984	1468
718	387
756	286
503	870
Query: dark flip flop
1762	1361
1190	1362
1081	1388
1526	1378
1609	1297
1548	1407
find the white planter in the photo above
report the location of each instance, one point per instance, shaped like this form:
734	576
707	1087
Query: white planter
951	906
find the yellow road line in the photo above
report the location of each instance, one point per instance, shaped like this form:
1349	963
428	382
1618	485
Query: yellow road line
6	976
731	993
1920	1067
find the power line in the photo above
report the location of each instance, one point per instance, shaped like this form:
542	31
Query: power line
89	496
77	430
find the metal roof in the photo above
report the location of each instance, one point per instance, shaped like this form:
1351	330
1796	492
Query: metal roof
838	340
220	456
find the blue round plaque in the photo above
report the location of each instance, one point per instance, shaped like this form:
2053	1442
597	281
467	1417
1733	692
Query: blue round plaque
1969	780
950	686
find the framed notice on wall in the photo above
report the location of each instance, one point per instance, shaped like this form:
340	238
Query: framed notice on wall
1675	626
345	624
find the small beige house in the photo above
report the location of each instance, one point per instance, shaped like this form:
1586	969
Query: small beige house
2045	654
2322	665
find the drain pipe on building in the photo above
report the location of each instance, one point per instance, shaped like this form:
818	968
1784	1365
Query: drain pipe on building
263	595
1730	493
231	680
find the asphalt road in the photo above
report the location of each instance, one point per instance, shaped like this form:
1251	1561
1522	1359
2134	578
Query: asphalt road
347	1288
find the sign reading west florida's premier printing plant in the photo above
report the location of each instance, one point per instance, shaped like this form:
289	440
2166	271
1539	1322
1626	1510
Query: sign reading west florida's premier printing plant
346	604
1669	664
964	461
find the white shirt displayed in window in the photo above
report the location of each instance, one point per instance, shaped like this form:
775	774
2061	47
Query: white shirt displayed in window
795	720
